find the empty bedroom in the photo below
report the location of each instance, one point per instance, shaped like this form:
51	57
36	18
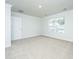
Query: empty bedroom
39	29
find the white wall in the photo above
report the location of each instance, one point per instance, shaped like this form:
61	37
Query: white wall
68	35
30	25
7	25
33	26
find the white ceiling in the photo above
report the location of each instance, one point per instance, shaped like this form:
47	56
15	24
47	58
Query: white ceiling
49	7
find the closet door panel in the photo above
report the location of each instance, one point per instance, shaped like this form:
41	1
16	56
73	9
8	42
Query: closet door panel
16	27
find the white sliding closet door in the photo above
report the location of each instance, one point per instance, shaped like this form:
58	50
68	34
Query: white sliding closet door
16	27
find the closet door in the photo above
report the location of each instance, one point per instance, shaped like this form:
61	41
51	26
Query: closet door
16	27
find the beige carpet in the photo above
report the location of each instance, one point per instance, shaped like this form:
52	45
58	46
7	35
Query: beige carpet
40	48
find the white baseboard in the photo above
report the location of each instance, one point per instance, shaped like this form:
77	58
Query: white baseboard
8	45
31	36
44	35
60	38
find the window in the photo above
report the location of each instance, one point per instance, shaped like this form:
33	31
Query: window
56	25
